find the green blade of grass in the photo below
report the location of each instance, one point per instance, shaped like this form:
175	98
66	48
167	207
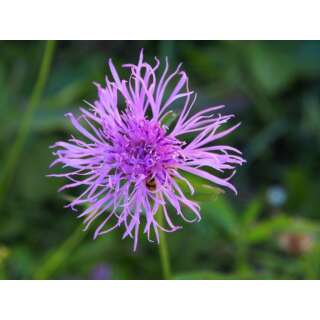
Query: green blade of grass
15	151
58	256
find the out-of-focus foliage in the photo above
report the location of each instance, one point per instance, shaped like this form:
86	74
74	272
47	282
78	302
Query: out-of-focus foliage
271	230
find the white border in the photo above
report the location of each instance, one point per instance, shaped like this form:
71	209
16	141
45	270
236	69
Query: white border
153	300
165	19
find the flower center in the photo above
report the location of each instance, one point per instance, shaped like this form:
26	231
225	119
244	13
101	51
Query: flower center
142	148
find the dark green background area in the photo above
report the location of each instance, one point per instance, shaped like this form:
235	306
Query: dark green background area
274	90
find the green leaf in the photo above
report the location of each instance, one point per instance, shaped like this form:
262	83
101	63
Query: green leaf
169	118
267	229
202	190
210	275
252	211
203	275
222	214
271	66
261	142
58	256
311	263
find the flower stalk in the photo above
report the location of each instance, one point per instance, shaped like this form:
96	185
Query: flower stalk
24	127
163	250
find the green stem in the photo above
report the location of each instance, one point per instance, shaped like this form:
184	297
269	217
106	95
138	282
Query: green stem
163	250
55	259
24	127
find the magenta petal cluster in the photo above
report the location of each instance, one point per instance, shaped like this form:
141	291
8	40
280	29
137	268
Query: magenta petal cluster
131	165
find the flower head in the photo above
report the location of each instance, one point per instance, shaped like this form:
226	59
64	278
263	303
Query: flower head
131	164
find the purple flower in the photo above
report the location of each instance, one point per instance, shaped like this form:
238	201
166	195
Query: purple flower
101	271
131	164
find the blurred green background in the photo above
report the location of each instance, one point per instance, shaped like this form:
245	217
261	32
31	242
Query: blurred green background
271	230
